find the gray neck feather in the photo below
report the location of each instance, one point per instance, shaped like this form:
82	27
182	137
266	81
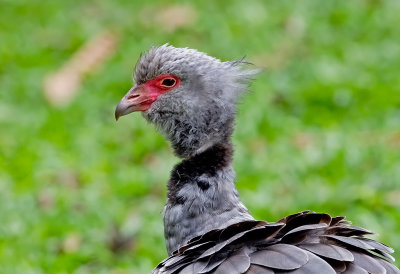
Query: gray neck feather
202	197
192	129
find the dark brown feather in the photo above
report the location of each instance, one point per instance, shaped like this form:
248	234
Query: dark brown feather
237	263
314	265
214	262
338	266
390	268
257	269
354	269
329	251
280	256
368	263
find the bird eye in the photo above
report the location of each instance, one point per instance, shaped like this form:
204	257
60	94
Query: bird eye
168	82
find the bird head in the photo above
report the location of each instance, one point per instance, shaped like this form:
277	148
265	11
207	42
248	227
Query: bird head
190	96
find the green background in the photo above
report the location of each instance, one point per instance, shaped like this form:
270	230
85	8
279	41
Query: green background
80	193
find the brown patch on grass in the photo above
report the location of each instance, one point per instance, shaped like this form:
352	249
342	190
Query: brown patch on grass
393	198
394	140
45	199
276	59
118	241
62	86
302	140
168	18
71	243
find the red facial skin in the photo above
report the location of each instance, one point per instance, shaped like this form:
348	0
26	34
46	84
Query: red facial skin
141	97
155	88
157	83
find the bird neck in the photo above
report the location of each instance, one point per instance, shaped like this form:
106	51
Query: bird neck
192	132
202	196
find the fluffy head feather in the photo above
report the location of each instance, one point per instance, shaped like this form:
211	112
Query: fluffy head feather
200	111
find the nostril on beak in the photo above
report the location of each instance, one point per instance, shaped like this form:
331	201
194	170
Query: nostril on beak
133	96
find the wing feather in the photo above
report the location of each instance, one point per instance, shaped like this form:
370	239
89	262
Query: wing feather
368	263
315	265
302	243
329	251
280	256
235	264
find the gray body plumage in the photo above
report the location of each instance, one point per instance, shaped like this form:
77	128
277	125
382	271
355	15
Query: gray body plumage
207	227
203	210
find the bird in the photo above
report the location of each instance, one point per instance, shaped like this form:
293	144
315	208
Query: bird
191	98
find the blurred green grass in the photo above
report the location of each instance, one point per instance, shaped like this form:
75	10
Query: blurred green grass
319	131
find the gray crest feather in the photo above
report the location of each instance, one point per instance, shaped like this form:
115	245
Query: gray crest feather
188	63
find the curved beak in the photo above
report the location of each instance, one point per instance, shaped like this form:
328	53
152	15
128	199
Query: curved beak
137	99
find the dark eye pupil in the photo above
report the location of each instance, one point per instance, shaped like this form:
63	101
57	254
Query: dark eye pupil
169	82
